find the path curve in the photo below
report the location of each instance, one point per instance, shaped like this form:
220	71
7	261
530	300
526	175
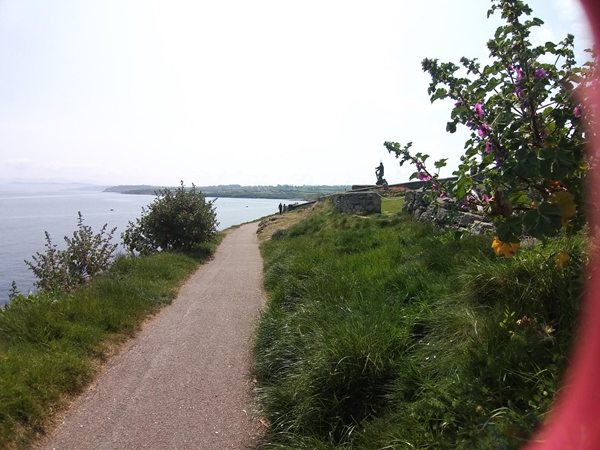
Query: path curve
184	382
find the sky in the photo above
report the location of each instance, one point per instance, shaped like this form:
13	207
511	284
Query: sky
260	92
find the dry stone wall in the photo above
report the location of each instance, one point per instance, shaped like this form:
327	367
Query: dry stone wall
442	214
357	202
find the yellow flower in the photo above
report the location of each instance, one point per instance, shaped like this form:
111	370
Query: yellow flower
564	201
561	258
505	249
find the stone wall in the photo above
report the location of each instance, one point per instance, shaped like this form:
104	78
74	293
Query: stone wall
441	213
357	202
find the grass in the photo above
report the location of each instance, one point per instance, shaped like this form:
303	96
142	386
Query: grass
391	205
382	333
51	347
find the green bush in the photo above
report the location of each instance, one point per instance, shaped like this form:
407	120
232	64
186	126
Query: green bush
176	220
87	254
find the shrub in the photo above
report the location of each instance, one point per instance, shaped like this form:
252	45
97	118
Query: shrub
524	163
176	220
86	255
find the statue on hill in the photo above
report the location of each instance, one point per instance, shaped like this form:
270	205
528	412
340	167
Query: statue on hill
379	175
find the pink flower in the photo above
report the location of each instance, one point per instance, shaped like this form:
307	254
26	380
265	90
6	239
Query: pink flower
484	130
539	73
519	73
577	111
488	147
479	110
423	177
485	198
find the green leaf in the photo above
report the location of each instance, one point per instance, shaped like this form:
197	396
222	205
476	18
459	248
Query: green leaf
451	127
509	229
543	222
556	163
441	163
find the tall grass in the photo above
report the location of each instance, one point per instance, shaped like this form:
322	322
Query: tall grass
381	333
51	346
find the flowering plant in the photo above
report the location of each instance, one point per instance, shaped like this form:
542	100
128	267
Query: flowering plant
524	163
176	220
86	255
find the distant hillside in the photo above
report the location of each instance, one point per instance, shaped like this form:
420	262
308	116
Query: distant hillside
238	191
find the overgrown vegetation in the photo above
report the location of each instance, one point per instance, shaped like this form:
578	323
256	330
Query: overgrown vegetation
381	333
178	219
86	255
524	164
51	343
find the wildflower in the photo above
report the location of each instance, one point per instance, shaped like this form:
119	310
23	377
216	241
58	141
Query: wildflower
479	110
577	111
485	198
505	249
484	130
524	321
435	186
458	104
561	258
519	73
518	92
488	147
539	73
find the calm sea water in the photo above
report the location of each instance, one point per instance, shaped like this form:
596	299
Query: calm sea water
24	218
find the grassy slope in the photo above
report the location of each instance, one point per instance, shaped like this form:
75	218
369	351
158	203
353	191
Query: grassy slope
390	205
51	348
380	333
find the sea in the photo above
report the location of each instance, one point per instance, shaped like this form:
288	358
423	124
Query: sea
26	215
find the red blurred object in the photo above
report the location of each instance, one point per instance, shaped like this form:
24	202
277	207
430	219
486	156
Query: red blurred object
575	421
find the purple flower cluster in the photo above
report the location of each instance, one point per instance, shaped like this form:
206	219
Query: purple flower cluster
479	110
484	130
423	176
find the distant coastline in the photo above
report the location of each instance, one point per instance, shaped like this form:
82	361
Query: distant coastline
238	191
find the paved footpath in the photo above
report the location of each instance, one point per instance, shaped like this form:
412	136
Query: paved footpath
184	382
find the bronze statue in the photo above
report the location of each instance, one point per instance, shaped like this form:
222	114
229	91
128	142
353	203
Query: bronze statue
379	174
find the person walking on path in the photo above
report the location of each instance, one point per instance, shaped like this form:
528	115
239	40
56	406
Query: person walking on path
184	382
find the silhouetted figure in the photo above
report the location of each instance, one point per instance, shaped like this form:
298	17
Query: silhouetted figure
280	208
284	208
379	174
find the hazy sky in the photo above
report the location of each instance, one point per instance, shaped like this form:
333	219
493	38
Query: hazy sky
220	92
